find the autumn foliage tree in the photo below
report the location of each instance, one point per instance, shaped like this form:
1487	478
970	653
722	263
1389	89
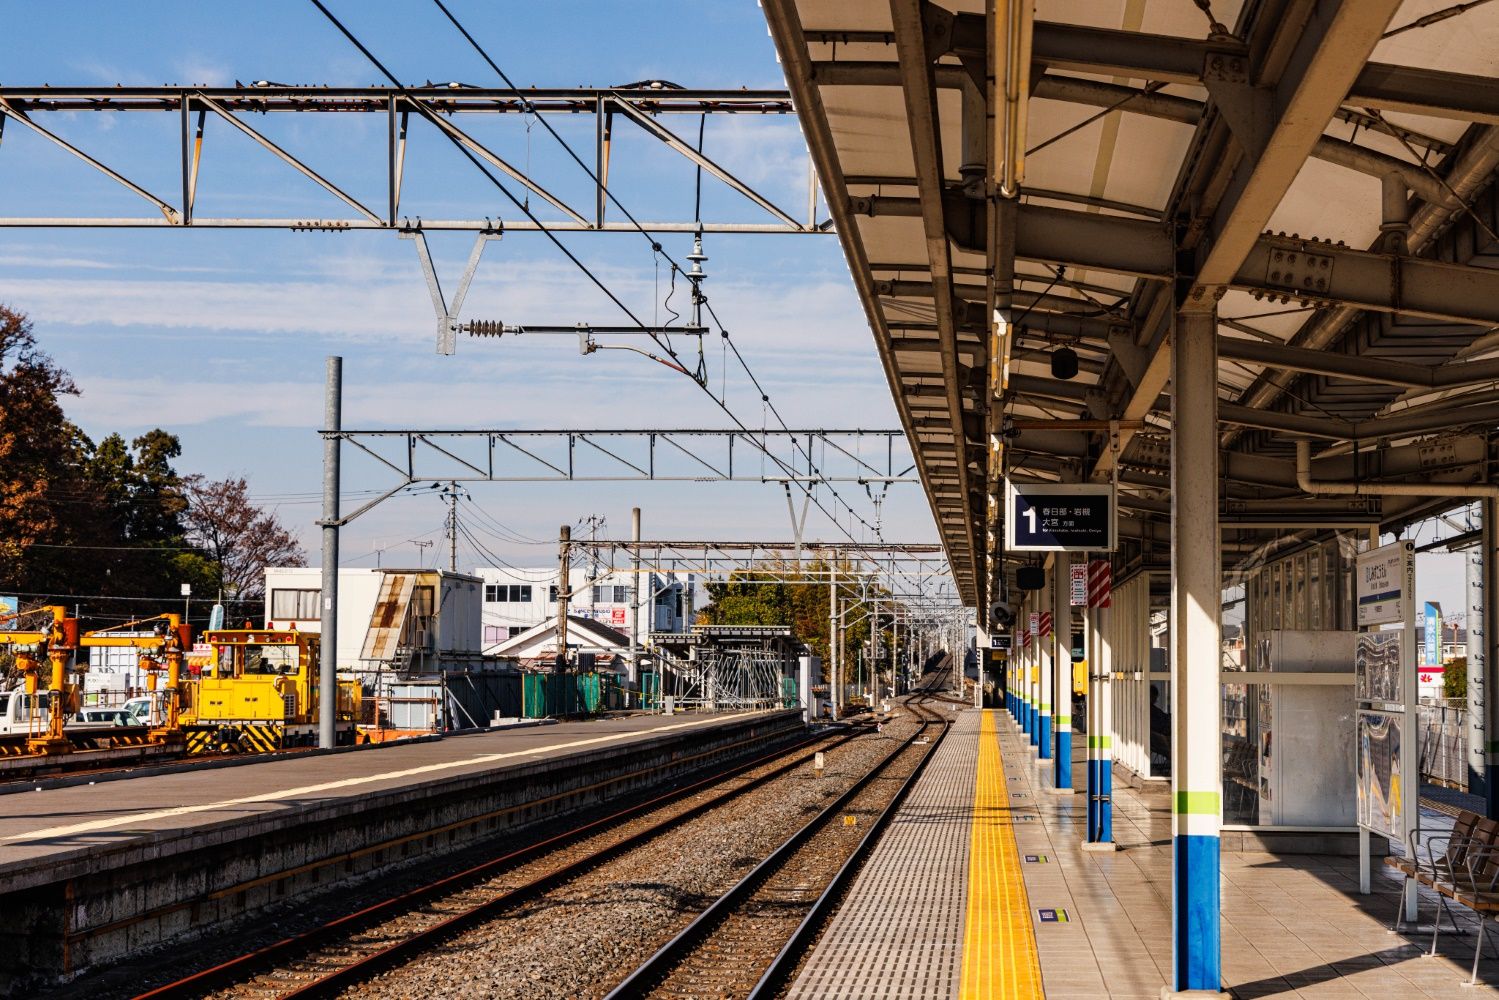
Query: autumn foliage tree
238	539
112	526
36	442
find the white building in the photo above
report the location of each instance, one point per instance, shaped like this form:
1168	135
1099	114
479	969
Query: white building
406	621
518	598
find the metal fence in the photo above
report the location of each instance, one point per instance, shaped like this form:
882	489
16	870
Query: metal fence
1444	744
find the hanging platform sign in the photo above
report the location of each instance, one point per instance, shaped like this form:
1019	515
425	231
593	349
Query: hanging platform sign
1383	584
1059	517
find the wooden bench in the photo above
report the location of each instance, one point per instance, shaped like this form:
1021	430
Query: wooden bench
1461	865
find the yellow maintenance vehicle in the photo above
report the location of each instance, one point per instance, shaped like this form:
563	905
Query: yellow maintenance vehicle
259	693
33	722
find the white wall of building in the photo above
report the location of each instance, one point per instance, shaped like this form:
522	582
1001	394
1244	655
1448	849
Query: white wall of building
295	592
517	598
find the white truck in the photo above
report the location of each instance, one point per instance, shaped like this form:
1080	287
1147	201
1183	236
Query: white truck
15	713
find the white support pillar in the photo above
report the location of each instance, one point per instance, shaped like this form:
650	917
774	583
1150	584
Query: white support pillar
1061	646
1046	662
1196	586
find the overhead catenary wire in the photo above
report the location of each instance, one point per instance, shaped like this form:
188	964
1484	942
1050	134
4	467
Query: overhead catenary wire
656	248
552	237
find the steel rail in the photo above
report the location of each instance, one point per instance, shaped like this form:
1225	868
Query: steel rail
658	968
785	962
298	944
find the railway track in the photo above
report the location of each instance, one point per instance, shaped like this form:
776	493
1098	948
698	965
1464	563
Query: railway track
751	939
345	951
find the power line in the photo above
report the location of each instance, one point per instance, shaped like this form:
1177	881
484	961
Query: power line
676	268
656	248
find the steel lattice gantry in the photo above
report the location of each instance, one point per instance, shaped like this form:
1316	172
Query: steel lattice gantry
414	116
1329	193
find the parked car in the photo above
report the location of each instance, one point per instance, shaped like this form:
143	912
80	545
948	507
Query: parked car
104	717
140	711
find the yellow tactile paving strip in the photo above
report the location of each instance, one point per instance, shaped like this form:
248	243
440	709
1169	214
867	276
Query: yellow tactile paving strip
999	943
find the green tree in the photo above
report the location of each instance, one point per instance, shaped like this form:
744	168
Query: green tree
81	518
761	597
1455	679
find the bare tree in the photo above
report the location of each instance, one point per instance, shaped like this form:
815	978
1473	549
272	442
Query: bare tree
238	538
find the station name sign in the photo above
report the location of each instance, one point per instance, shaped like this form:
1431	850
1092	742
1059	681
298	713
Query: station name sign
1060	517
1385	578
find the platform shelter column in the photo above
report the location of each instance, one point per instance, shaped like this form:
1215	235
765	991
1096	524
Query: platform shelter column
1196	588
1061	638
1045	660
1024	642
1490	623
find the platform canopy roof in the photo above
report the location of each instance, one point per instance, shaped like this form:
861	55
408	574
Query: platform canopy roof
1323	170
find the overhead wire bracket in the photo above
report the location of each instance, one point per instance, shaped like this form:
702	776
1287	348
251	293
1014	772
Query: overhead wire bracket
447	316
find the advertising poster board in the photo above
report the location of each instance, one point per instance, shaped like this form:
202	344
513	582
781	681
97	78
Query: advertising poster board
1379	668
1380	786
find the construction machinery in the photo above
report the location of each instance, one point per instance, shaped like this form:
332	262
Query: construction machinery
53	640
34	720
259	693
164	650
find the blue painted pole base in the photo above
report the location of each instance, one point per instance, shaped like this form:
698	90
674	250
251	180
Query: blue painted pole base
1491	790
1196	939
1043	738
1064	759
1035	726
1092	798
1106	801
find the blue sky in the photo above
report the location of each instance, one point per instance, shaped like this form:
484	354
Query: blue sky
220	336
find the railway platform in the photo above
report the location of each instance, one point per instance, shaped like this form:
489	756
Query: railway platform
93	877
982	888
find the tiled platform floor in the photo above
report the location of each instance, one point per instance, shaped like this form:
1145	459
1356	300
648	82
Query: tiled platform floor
1293	926
899	932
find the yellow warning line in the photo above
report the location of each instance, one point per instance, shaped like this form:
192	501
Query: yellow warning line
999	944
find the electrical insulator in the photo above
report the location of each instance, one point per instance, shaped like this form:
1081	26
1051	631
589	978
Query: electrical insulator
697	257
485	328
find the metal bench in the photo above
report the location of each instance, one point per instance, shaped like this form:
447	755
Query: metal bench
1461	865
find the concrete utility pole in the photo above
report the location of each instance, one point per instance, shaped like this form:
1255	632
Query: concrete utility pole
833	636
565	543
635	589
452	527
328	639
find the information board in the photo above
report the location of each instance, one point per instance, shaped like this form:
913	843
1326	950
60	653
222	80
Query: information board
1000	640
1059	517
1077	574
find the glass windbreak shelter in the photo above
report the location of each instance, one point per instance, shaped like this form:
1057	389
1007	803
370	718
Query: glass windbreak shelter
1288	709
1141	674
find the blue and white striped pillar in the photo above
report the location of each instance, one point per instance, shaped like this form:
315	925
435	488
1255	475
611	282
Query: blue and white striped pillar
1196	599
1061	645
1047	664
1104	752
